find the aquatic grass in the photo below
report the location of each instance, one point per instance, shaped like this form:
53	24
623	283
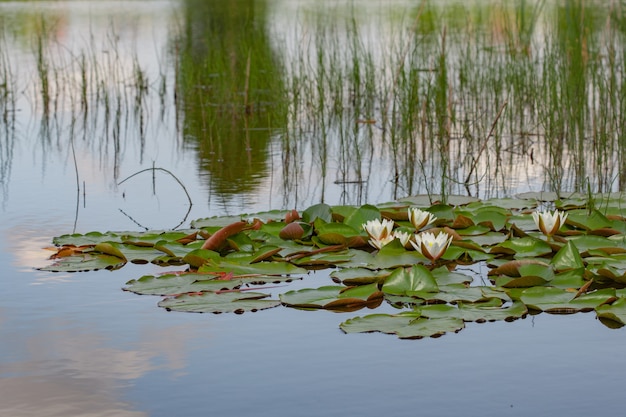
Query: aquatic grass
345	100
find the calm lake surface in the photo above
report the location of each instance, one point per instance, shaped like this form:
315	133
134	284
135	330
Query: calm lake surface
96	91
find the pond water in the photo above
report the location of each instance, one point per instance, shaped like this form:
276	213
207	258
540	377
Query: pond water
93	92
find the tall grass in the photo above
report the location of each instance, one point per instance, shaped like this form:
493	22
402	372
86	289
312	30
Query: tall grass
476	99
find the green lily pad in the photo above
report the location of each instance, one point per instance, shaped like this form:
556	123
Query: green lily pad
334	298
615	312
234	301
525	247
567	258
361	215
405	326
359	276
318	211
407	281
393	255
85	262
556	300
171	284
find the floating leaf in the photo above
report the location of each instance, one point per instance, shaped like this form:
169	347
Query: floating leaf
556	300
85	262
406	281
405	326
359	276
525	247
171	284
318	211
362	215
219	302
615	312
334	298
567	258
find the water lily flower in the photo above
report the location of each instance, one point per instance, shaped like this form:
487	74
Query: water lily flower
549	223
379	243
403	237
431	246
379	230
420	218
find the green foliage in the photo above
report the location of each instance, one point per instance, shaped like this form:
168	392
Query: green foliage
581	268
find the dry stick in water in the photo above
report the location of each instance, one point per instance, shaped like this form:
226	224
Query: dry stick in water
493	126
164	170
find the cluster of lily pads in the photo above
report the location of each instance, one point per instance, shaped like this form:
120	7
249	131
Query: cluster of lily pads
419	263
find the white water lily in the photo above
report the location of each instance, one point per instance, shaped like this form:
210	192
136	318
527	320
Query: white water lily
549	223
431	246
420	218
379	243
379	230
403	237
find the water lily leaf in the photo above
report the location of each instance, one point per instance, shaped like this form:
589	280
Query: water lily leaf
585	243
405	326
615	312
264	252
264	268
539	195
91	238
241	242
85	262
359	276
334	298
234	301
150	238
324	259
475	230
362	215
483	312
494	219
445	277
513	268
462	253
442	212
335	233
171	284
585	220
462	221
531	274
489	239
520	282
573	278
405	281
452	294
567	258
318	211
109	249
393	255
559	301
512	203
198	257
525	247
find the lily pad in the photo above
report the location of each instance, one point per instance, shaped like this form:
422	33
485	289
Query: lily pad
171	284
334	298
234	301
405	326
408	281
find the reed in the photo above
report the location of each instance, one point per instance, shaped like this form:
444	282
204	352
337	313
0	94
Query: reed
431	103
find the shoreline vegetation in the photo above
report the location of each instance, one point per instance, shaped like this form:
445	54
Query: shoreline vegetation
479	100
